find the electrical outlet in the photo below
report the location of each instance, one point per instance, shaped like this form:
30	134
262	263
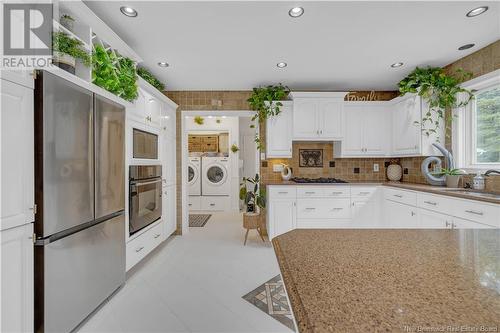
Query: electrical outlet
277	167
262	156
375	167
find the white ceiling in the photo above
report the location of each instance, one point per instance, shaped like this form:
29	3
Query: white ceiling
333	46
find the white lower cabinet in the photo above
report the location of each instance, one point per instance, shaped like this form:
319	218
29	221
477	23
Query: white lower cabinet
400	216
17	279
169	210
140	246
428	219
281	216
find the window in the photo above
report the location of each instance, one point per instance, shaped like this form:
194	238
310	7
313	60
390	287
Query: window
486	130
476	129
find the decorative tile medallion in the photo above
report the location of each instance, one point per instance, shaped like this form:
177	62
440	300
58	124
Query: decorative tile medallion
198	220
270	297
311	158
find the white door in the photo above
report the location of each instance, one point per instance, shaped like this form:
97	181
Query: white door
282	214
376	132
330	119
432	220
406	131
305	119
17	182
17	279
279	134
352	144
400	216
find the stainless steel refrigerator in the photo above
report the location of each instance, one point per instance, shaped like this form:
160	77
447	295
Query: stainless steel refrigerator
80	196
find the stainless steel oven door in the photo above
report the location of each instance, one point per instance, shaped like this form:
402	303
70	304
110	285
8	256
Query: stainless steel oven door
145	203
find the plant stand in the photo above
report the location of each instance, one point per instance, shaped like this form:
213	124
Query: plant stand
252	221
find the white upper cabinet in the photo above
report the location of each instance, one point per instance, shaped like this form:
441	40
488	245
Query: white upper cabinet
367	129
318	116
17	132
153	111
279	133
22	77
408	139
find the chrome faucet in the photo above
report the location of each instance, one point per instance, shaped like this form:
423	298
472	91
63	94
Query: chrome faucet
487	173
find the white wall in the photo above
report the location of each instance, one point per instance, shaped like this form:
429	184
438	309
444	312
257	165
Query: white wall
248	148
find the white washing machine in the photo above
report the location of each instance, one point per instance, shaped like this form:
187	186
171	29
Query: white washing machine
194	175
215	178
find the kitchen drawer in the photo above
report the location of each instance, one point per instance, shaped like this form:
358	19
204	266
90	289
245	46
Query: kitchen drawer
337	192
435	203
324	224
477	212
310	192
156	235
194	202
140	246
405	197
359	192
323	208
282	192
215	203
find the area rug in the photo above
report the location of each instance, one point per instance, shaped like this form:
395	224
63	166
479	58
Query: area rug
270	297
198	220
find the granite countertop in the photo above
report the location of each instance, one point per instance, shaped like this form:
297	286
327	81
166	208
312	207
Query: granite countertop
346	280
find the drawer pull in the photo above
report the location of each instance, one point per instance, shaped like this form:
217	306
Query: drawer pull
430	203
336	192
310	192
310	208
398	195
363	193
139	249
212	204
156	236
337	208
474	212
283	192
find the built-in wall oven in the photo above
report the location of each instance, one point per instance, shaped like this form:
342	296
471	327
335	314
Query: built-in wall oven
145	145
144	196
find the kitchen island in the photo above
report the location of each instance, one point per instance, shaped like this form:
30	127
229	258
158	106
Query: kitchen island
366	280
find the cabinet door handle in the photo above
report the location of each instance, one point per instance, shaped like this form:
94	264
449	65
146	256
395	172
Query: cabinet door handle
139	249
337	208
363	193
398	195
431	203
336	192
212	204
310	192
474	212
283	192
310	208
413	213
157	235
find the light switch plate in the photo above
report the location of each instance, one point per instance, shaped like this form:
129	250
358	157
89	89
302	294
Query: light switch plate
277	167
262	156
375	168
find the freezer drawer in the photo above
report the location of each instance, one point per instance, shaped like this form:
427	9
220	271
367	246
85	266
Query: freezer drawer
80	272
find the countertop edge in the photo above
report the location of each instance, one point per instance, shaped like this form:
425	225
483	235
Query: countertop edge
299	313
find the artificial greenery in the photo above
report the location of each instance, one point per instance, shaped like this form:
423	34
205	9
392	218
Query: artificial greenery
261	101
234	148
448	172
114	73
439	90
64	43
257	197
199	120
150	78
67	21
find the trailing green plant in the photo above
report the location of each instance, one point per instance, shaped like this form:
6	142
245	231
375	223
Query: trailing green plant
114	73
150	78
261	101
64	43
255	197
448	172
199	120
439	90
234	148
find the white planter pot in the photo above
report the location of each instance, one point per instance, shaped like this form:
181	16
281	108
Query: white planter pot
64	61
452	181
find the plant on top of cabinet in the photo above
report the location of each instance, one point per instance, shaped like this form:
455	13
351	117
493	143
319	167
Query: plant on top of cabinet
67	21
66	50
255	198
261	101
439	90
150	78
114	73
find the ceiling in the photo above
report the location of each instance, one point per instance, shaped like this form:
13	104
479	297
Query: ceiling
236	45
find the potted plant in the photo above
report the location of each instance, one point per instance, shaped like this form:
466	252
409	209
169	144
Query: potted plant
261	101
452	176
150	78
198	120
67	50
253	199
67	21
234	148
439	90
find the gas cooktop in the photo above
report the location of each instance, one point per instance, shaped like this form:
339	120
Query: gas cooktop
316	180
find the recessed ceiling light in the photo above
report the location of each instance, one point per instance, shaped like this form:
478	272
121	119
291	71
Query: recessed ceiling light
465	47
296	12
163	64
477	11
128	11
281	64
397	64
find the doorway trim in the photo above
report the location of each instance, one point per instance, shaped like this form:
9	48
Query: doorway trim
185	153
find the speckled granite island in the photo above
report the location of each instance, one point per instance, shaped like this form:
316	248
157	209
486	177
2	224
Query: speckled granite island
347	280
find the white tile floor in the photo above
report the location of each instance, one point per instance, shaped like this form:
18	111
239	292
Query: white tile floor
194	283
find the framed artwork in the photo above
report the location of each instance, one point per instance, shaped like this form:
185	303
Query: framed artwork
311	158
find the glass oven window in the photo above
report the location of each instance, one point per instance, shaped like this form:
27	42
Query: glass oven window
145	205
145	144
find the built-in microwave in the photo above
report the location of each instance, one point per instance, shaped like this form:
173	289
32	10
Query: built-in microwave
145	145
